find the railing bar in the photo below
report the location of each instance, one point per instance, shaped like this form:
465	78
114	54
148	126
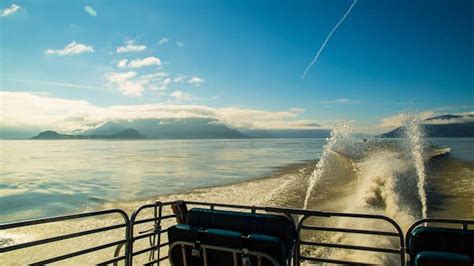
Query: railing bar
113	260
78	253
331	245
155	261
294	211
154	219
58	238
149	234
355	231
334	261
61	218
150	248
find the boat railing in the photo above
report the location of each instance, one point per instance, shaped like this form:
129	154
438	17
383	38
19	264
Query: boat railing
299	216
144	238
397	233
124	241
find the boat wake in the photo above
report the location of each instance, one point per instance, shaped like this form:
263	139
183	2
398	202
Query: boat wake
380	176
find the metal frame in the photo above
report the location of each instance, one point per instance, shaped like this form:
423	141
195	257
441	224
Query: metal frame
234	252
119	243
464	225
399	234
298	216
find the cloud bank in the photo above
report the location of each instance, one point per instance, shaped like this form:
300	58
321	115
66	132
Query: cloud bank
27	110
400	120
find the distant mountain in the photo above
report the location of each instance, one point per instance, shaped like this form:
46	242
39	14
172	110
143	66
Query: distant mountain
123	134
287	133
445	126
189	128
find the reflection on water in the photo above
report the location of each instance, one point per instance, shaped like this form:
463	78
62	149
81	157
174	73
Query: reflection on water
383	181
43	178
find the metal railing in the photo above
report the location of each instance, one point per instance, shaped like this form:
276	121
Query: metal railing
125	241
127	250
399	250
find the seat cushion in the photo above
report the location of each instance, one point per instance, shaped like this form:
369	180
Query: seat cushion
192	234
433	258
268	245
277	226
449	240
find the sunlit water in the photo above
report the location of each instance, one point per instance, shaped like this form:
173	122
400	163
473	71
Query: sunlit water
43	178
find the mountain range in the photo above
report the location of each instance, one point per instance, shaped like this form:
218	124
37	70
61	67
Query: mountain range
188	128
123	134
209	128
444	126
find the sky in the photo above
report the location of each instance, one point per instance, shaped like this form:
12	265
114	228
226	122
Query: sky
71	65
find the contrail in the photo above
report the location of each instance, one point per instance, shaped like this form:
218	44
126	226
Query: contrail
61	84
315	59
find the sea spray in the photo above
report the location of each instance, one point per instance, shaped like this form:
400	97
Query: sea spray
414	135
340	132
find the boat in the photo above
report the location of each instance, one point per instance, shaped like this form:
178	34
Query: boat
193	233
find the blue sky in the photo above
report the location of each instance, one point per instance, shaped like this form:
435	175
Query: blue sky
387	57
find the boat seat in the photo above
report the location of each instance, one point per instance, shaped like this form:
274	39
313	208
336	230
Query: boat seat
278	226
436	258
439	240
217	247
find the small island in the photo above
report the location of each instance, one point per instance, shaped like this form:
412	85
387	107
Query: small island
123	134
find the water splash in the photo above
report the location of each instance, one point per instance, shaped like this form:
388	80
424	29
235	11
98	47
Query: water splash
415	136
340	132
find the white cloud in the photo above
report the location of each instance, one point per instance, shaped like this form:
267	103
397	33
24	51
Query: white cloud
163	41
179	44
165	83
157	75
182	96
21	109
196	81
179	78
130	47
71	49
126	83
144	62
122	63
400	119
119	77
157	82
12	9
131	84
459	119
342	100
89	10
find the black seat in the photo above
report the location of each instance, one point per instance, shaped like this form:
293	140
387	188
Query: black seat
277	226
424	242
194	239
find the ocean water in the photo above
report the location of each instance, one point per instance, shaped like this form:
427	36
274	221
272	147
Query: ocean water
44	178
41	178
